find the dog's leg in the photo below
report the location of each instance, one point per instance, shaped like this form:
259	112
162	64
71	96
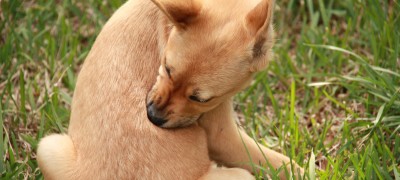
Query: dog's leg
215	173
231	146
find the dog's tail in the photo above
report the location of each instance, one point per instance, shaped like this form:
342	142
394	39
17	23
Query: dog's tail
56	156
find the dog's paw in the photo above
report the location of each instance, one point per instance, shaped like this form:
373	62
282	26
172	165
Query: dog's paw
227	173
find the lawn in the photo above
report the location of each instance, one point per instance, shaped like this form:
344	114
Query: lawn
330	99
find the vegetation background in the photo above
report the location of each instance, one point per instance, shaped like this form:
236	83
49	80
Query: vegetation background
329	100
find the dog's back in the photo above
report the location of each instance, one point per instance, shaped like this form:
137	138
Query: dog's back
109	135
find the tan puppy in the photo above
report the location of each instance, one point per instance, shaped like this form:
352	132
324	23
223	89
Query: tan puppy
110	136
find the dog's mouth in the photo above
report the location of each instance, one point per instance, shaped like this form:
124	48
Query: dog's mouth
185	122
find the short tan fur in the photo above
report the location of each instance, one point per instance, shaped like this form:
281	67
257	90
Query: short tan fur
211	49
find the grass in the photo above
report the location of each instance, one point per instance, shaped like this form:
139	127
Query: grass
330	100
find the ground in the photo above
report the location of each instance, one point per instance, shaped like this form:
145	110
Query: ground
329	99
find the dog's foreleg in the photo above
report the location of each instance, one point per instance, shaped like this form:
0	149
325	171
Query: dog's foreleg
216	173
232	147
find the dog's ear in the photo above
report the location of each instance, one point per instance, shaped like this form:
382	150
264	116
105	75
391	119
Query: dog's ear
258	20
180	12
259	23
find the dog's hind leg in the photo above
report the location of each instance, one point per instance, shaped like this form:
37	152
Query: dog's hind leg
232	147
56	156
216	173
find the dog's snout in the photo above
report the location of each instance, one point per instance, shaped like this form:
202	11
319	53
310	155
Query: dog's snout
154	115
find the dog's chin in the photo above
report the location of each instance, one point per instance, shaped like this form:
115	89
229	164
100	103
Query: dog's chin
182	123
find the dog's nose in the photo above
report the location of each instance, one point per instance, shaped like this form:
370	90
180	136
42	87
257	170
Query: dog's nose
153	115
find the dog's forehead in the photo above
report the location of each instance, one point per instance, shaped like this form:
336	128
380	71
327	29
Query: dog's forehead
227	9
187	53
208	42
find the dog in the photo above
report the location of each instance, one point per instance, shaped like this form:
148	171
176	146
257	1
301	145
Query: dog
205	52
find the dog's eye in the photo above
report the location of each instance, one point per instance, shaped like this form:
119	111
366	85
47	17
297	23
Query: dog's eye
197	99
168	70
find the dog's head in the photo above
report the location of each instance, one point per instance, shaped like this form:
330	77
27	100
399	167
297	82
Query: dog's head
211	53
